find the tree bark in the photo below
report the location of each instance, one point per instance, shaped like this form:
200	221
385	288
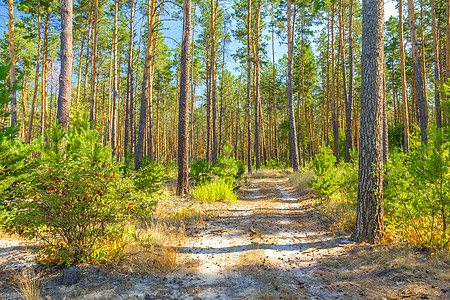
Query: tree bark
214	4
191	135
115	92
65	78
183	117
12	60
437	102
418	74
405	108
333	92
348	97
274	93
44	76
369	219
129	104
257	88
151	4
249	141
94	64
36	75
293	135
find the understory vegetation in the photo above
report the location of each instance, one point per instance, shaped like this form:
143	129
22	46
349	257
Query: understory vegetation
416	198
67	191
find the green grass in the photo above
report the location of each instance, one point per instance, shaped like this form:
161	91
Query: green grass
214	191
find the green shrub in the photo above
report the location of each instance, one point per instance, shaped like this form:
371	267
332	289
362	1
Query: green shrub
200	171
225	168
229	169
149	177
213	191
349	185
418	194
327	179
77	201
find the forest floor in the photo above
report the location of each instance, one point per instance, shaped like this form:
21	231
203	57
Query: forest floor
272	243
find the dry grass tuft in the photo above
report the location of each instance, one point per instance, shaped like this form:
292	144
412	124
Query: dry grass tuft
407	259
300	180
340	213
29	285
153	248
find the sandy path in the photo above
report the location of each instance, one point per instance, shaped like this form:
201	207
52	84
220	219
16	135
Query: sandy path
266	245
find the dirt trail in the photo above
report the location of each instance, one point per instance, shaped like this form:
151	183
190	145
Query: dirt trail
266	245
269	244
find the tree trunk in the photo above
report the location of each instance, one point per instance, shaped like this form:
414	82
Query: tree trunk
424	67
348	96
129	104
65	78
274	94
183	118
334	95
257	88
418	74
447	54
151	4
150	135
437	102
115	91
214	4
369	219
24	105
293	134
221	94
36	75
88	48
44	76
405	108
12	59
94	64
249	141
191	135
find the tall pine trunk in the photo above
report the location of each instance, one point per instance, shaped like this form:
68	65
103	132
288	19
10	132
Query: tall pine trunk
129	104
418	74
183	118
405	108
94	65
249	72
12	59
36	75
257	88
151	4
293	135
65	78
369	218
437	102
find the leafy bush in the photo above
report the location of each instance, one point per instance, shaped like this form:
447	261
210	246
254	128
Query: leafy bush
349	186
396	137
199	171
225	168
327	179
418	193
213	191
229	169
149	177
77	201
